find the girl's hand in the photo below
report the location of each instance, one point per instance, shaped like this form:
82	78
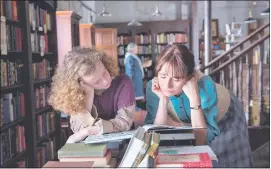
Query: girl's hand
83	133
156	88
89	97
191	89
87	88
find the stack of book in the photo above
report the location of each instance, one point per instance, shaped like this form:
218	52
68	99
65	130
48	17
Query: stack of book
148	146
165	146
141	149
185	157
81	152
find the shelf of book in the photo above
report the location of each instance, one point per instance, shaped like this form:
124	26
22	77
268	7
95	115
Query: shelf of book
42	81
12	87
11	124
15	159
45	138
28	58
43	109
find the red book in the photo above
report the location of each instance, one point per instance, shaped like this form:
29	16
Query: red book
14	10
22	104
57	164
200	160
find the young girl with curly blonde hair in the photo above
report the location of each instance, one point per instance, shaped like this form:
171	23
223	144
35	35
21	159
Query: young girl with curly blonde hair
89	89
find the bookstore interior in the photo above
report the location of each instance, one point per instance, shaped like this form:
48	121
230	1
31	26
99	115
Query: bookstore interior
232	48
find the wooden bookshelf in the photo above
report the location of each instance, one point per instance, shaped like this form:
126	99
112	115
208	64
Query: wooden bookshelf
67	32
28	59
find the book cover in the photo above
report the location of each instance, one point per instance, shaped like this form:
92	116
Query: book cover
200	160
82	150
57	164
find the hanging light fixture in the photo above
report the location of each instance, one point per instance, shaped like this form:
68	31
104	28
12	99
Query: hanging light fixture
157	12
266	12
250	19
134	23
104	12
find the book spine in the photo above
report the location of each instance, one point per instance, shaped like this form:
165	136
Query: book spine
189	142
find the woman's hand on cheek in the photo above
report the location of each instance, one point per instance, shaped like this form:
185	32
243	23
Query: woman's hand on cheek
156	88
87	88
191	89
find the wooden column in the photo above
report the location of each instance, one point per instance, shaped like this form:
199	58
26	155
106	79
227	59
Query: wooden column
87	36
207	32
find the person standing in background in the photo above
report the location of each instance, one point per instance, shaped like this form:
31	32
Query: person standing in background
134	69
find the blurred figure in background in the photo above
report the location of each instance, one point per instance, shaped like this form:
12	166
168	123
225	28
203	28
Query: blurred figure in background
134	69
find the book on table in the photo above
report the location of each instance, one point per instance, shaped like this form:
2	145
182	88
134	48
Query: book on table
80	152
57	164
186	131
197	160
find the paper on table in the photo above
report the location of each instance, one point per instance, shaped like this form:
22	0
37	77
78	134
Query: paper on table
109	137
152	126
126	134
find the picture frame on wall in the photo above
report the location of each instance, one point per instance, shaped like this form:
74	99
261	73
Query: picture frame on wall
214	28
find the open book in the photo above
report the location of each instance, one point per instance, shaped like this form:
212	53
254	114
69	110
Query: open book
129	134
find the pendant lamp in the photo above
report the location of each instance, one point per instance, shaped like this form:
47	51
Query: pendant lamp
250	19
157	12
134	23
104	12
266	12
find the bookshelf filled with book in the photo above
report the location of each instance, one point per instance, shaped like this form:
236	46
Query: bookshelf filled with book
28	58
162	39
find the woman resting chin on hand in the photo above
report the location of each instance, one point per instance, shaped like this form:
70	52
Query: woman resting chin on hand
88	88
181	95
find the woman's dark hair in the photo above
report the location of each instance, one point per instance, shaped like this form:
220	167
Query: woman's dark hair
179	57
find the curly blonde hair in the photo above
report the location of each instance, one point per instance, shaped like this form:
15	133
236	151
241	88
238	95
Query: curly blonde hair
66	95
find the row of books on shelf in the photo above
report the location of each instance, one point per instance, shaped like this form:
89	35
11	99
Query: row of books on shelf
143	60
9	10
11	72
143	39
11	38
159	48
12	143
41	95
45	152
12	107
42	70
171	37
141	50
45	124
123	39
39	43
122	50
39	17
144	50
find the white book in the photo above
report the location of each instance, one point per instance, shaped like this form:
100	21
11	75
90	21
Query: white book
133	149
109	137
4	46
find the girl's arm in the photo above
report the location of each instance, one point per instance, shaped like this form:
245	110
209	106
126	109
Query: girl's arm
162	116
